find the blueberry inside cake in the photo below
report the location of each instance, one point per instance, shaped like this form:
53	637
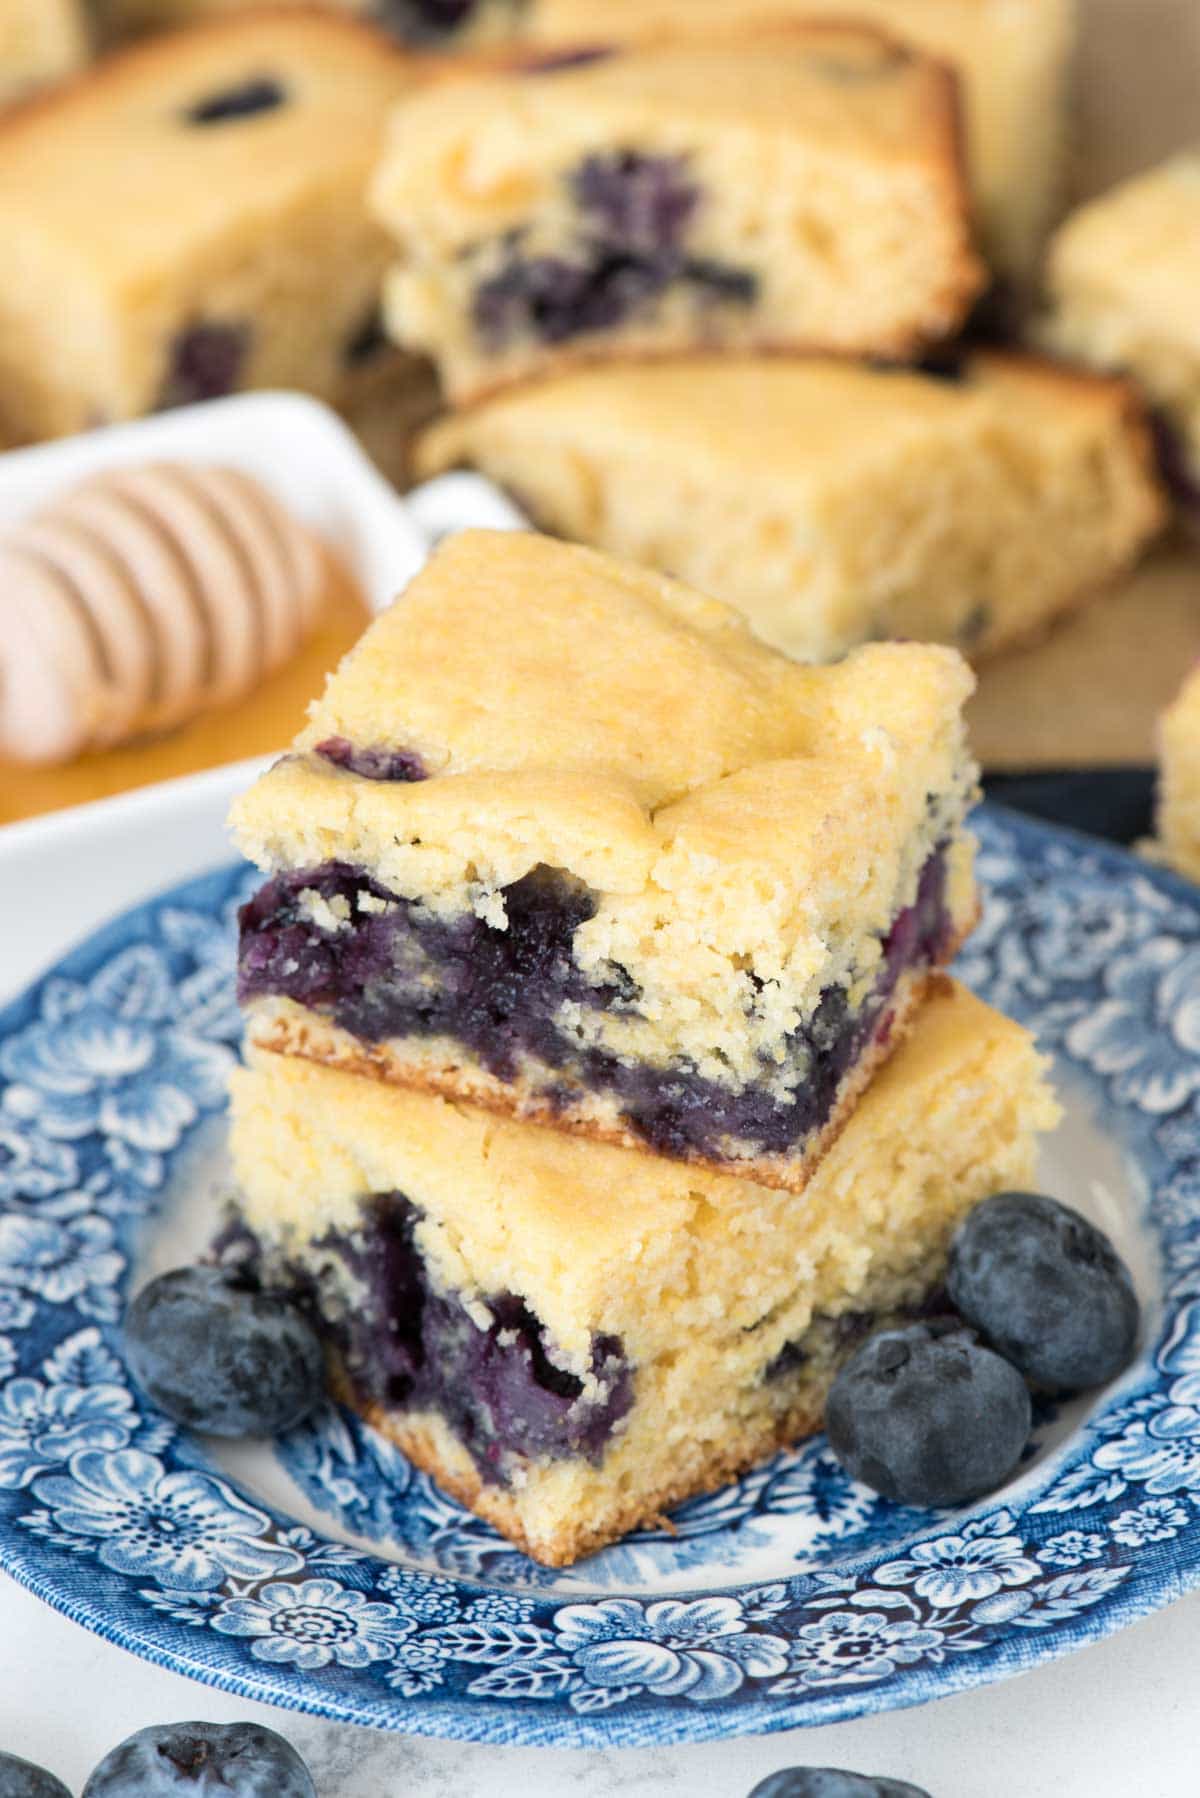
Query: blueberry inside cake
585	205
573	1338
563	839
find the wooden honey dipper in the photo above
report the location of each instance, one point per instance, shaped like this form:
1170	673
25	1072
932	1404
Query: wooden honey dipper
142	597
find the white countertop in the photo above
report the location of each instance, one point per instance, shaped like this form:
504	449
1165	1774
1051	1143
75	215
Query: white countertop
1117	1721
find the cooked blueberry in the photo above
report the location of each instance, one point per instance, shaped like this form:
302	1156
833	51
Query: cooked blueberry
832	1782
407	1342
21	1779
422	21
1046	1289
720	280
228	1760
927	1416
367	341
373	763
206	363
260	94
555	299
553	60
218	1355
638	202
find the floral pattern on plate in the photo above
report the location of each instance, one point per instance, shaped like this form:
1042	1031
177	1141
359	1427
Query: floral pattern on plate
112	1075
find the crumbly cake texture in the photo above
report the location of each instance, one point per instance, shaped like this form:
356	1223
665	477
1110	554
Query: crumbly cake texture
564	838
1123	272
573	1338
783	186
1013	57
436	23
1179	782
189	219
40	42
834	503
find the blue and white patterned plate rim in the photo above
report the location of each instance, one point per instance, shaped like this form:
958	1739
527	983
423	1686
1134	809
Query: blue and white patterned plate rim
112	1070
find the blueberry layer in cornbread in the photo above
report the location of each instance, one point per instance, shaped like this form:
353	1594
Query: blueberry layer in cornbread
1123	274
562	838
830	502
440	24
1012	56
573	1338
1179	781
786	186
40	42
189	219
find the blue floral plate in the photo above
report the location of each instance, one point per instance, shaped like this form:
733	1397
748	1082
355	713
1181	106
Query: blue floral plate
323	1573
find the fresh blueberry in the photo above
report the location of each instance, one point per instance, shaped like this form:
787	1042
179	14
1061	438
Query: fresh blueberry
928	1416
206	362
259	94
1046	1289
832	1782
234	1760
21	1779
219	1355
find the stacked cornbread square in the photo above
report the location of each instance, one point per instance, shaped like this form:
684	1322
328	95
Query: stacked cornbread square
602	1087
563	838
573	1338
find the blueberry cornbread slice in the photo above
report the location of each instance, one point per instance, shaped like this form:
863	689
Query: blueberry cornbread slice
562	838
1012	56
573	1338
1123	275
442	24
189	219
1179	782
781	187
831	502
40	42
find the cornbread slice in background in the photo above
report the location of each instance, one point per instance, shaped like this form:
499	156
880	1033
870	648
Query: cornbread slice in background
573	1338
564	839
834	503
440	23
1179	781
189	219
1013	57
1123	275
786	186
40	42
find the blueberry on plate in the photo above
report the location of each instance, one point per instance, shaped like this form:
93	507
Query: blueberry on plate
1046	1289
21	1779
831	1782
927	1416
220	1355
234	1760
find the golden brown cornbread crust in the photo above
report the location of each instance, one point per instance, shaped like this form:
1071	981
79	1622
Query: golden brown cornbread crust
429	1445
282	1028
